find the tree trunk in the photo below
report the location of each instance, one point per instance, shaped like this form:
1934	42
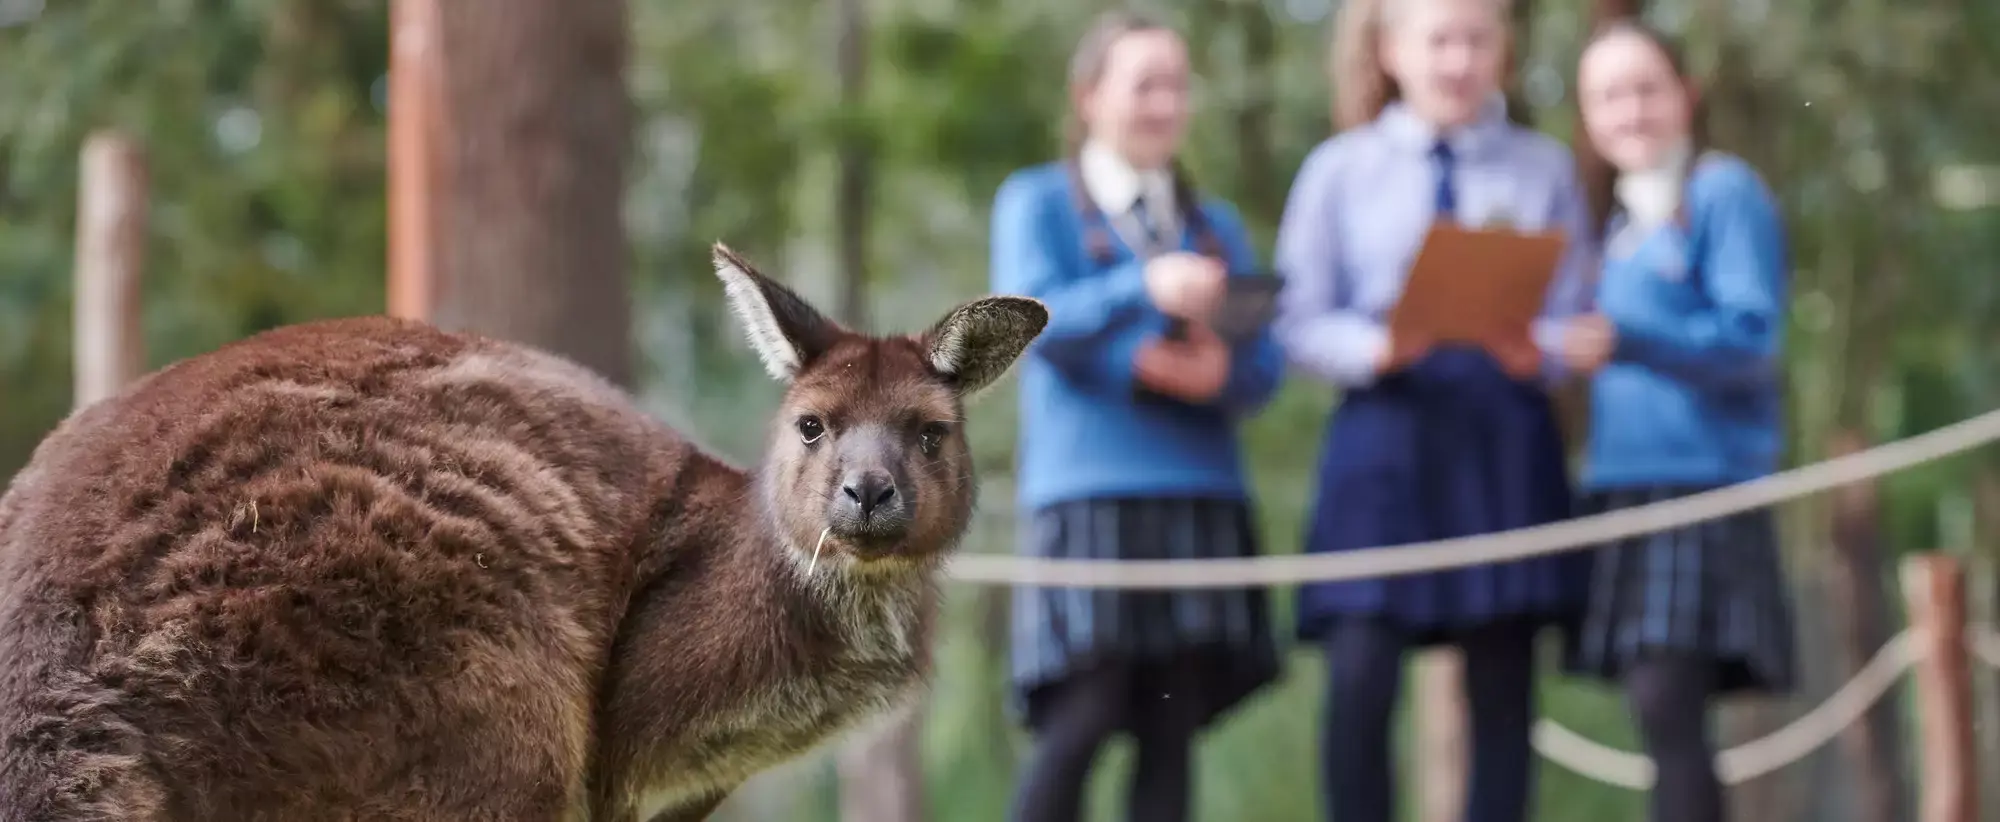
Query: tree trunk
533	139
1263	193
881	772
1522	13
1986	538
1857	579
853	215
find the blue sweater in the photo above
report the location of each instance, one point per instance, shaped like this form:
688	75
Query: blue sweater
1086	430
1693	394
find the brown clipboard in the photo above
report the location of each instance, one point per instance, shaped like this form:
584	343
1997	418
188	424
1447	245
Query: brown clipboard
1477	285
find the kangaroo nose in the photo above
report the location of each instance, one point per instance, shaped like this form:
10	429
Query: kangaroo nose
869	491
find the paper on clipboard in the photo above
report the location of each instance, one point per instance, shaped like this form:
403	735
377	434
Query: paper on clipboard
1477	285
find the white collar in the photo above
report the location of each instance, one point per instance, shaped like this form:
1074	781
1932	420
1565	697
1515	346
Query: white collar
1115	185
1414	133
1651	196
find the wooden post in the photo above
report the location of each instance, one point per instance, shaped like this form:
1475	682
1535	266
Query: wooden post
415	167
1443	763
110	258
881	771
1934	589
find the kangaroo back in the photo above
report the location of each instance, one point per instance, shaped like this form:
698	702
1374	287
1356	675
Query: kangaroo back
277	581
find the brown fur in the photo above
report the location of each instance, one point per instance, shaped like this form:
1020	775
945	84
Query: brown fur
365	569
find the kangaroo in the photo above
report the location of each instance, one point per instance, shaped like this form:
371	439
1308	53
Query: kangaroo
365	569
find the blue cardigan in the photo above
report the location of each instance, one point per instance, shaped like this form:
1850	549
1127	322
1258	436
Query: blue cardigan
1693	395
1086	431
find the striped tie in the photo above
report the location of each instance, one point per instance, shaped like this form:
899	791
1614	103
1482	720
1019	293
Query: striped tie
1149	228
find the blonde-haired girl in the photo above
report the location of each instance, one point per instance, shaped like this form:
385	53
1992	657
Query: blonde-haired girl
1430	441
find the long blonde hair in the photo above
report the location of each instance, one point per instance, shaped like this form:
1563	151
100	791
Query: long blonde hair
1362	85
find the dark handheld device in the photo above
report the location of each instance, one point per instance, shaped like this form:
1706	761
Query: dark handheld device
1249	301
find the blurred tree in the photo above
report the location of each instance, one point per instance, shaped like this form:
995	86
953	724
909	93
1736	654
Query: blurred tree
881	771
535	133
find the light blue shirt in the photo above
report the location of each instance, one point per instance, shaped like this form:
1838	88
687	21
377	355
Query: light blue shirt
1360	208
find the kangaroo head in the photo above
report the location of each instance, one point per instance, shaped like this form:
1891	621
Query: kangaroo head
867	463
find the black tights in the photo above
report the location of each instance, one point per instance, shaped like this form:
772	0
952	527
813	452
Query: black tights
1669	694
1154	702
1365	665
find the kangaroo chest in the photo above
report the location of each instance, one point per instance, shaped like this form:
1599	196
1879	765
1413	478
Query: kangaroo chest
878	670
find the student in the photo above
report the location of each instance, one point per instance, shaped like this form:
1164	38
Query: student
1686	397
1128	447
1429	441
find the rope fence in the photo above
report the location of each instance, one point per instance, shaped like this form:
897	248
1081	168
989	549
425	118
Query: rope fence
1949	784
1520	543
1627	769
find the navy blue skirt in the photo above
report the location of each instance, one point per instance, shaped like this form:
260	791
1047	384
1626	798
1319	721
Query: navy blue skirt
1450	447
1224	633
1714	589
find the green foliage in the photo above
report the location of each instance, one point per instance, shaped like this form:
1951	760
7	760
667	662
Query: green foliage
959	91
266	160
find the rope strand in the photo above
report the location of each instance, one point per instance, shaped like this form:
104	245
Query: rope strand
1627	769
1566	535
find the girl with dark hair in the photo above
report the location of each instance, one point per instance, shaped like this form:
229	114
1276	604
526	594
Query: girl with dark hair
1430	441
1687	396
1127	445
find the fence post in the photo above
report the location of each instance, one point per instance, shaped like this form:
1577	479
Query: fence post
1934	588
1442	762
110	257
415	147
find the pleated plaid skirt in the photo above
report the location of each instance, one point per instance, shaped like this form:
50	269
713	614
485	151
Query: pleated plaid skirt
1061	632
1713	588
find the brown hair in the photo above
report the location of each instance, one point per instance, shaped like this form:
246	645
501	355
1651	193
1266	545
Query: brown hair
1362	85
1086	68
1669	48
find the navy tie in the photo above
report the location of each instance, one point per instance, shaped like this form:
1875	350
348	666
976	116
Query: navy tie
1149	228
1447	194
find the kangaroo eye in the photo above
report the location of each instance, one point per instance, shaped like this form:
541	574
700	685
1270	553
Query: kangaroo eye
931	438
811	429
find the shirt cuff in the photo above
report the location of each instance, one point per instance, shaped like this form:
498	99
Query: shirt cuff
1547	334
1371	344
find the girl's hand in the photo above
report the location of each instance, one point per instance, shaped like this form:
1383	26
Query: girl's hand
1587	342
1186	285
1403	350
1520	358
1193	369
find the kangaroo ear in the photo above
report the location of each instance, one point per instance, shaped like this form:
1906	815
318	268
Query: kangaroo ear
975	344
786	332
